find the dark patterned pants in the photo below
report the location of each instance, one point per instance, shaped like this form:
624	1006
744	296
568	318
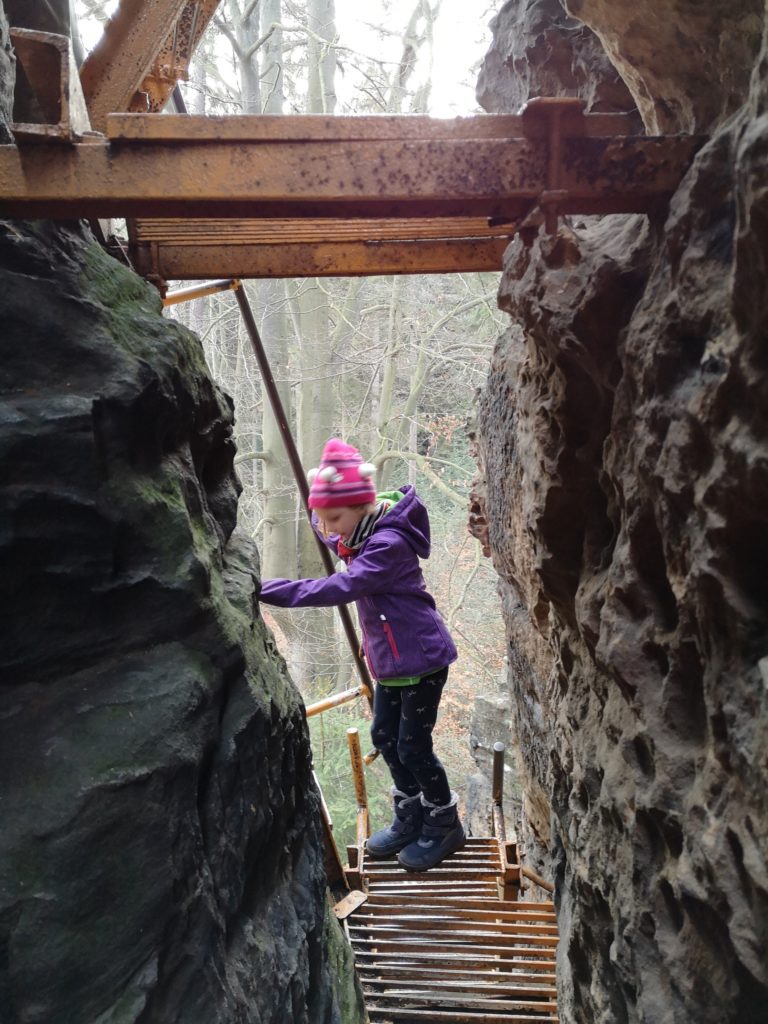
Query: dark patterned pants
403	720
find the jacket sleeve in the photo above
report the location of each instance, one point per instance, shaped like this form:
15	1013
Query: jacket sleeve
373	571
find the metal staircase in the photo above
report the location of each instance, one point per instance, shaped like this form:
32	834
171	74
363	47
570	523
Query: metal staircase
446	946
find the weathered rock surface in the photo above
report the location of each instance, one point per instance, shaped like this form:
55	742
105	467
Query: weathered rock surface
160	855
539	51
491	724
624	459
687	64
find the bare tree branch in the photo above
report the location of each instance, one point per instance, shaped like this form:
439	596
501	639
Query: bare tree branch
224	27
253	456
467	584
423	463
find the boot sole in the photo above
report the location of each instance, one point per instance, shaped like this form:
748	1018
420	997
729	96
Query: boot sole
389	853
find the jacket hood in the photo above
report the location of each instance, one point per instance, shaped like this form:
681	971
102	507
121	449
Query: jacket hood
410	518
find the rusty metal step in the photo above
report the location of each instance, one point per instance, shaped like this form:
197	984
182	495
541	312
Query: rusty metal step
443	946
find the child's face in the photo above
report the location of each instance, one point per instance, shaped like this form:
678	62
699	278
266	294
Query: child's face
341	520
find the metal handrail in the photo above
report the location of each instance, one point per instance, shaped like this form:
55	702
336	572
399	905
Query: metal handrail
199	291
334	701
298	471
349	877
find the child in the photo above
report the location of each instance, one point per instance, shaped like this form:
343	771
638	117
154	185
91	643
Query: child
407	646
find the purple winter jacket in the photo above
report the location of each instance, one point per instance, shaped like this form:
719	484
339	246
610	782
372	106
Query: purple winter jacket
403	633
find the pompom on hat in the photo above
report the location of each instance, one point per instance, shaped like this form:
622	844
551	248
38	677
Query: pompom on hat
342	478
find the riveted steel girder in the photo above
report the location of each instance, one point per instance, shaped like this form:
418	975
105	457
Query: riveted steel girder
171	62
206	176
119	63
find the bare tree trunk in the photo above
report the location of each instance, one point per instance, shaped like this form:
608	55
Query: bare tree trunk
385	413
413	437
322	56
419	30
273	84
244	36
317	401
279	557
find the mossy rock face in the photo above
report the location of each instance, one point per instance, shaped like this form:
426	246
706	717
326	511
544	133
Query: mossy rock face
160	856
346	986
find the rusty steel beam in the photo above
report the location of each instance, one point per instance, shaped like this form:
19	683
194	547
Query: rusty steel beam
204	177
532	123
193	249
49	64
119	63
170	262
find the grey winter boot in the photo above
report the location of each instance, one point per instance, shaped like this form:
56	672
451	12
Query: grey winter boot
403	830
441	833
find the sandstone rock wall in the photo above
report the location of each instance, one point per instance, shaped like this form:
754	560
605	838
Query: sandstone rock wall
160	856
539	50
623	446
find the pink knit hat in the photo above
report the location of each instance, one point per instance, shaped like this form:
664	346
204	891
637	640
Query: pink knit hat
342	478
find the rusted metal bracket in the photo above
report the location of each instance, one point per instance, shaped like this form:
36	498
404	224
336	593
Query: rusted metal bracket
171	63
350	904
510	870
144	50
49	64
557	117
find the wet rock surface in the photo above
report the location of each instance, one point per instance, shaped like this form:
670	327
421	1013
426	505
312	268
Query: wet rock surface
160	855
623	450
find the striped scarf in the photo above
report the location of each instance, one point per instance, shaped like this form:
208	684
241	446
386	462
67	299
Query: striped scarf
363	530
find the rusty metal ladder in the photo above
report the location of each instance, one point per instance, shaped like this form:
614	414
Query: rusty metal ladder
445	946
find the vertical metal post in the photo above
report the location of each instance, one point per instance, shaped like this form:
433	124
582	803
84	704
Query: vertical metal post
510	877
358	774
497	791
361	795
498	773
298	472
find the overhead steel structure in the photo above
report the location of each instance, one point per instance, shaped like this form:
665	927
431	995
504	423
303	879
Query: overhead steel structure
311	195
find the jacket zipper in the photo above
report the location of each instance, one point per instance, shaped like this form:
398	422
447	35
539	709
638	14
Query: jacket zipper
390	636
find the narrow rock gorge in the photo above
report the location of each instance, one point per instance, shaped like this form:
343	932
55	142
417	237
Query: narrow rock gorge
623	495
160	852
